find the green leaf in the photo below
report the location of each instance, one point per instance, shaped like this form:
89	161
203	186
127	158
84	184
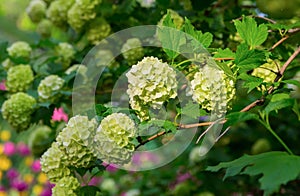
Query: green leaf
277	168
248	59
226	69
170	38
226	53
294	82
88	190
237	117
252	34
250	82
296	109
278	104
191	110
165	124
204	38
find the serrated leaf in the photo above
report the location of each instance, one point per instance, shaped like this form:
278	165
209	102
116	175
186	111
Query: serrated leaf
226	53
167	125
250	82
171	39
277	168
237	117
252	34
191	110
227	70
248	59
204	38
279	96
277	105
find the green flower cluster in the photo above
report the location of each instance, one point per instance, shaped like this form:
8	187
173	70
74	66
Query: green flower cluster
67	186
7	63
48	88
44	28
36	10
132	50
81	12
113	139
265	71
66	53
75	141
19	49
37	140
19	78
105	58
213	90
57	12
53	163
151	83
17	110
98	30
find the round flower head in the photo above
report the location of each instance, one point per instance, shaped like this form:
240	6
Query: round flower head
57	12
36	10
76	139
66	53
266	71
67	186
17	110
19	78
112	142
19	49
132	50
81	12
98	30
151	83
105	58
48	87
213	90
44	28
37	140
53	164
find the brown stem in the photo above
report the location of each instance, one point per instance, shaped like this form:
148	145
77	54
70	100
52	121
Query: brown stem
279	42
221	59
151	138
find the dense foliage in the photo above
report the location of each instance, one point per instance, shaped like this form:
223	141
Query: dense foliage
213	85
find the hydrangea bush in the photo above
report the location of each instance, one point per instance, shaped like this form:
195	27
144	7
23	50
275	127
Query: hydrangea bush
216	68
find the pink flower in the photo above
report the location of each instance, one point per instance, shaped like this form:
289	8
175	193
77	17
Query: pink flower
23	149
110	167
2	86
36	166
59	115
9	148
183	177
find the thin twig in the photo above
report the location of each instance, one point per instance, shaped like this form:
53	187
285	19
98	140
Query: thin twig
224	132
225	59
151	138
279	42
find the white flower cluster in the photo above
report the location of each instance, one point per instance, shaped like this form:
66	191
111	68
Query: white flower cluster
132	50
67	186
75	141
81	143
53	163
151	83
113	139
48	87
213	90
